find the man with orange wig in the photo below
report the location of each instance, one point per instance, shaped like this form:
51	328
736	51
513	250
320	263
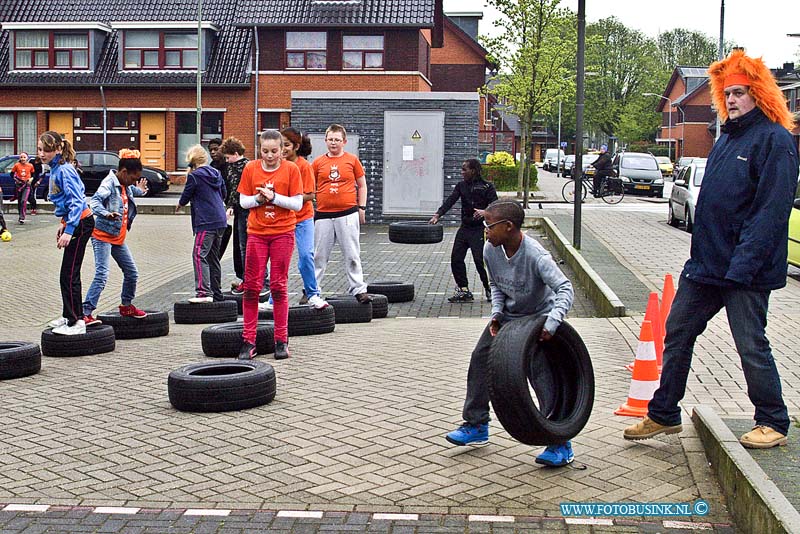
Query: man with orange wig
738	252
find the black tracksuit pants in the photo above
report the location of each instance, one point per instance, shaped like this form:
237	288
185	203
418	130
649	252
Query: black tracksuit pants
70	276
468	238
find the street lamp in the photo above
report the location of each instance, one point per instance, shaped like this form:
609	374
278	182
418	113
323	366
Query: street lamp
669	139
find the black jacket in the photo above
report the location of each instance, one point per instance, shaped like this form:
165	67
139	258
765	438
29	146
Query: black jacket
477	193
603	165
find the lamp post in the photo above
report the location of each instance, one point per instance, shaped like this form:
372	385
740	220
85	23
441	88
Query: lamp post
669	139
199	70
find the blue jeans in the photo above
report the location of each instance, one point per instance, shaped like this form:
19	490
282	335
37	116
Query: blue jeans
695	304
130	275
304	241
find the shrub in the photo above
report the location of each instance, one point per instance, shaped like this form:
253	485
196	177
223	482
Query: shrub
505	177
501	158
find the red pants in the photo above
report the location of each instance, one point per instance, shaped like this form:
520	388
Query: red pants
277	249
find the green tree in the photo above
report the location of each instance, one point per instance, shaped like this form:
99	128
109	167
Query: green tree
534	51
685	47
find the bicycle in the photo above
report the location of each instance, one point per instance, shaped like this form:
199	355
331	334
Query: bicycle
611	190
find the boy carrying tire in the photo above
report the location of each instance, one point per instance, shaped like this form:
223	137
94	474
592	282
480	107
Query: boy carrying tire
524	281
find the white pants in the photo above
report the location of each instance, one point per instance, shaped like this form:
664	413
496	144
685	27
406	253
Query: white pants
344	230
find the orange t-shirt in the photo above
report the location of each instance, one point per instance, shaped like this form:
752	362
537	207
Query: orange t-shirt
269	219
23	172
116	239
336	181
309	186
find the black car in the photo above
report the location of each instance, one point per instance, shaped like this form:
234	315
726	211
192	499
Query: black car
95	164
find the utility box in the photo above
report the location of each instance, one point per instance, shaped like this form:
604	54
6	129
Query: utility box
412	144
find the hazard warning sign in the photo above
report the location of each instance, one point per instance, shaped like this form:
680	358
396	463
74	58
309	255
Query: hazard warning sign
416	136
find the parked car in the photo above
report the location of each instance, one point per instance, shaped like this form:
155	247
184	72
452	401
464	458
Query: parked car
684	195
7	182
586	163
551	157
794	231
665	165
639	173
95	164
566	165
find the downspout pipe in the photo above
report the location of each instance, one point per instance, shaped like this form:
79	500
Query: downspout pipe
255	104
105	117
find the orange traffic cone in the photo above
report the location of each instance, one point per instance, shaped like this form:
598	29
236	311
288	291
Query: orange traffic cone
644	381
667	296
653	315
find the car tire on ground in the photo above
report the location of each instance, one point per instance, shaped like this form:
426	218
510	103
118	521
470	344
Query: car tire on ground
394	291
689	222
221	386
349	310
380	306
559	372
307	321
415	232
225	340
223	311
96	340
18	359
671	220
155	324
227	295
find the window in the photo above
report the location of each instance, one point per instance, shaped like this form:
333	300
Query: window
18	132
159	50
210	125
362	52
92	120
306	50
50	50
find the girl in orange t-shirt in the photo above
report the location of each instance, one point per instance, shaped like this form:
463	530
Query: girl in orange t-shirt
272	189
22	172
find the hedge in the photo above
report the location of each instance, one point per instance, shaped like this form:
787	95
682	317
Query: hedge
505	178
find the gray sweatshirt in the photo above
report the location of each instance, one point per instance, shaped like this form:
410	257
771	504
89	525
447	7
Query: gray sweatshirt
528	283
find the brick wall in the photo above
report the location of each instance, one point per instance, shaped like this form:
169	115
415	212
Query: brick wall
460	78
455	51
697	141
365	118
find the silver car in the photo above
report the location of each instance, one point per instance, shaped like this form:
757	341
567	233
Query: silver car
685	190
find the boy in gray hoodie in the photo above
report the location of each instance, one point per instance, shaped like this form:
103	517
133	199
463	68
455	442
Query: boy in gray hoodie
524	281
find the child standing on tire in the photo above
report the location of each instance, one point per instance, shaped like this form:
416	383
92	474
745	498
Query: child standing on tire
115	210
524	281
205	189
272	189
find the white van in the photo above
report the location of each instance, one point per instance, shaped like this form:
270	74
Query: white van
551	158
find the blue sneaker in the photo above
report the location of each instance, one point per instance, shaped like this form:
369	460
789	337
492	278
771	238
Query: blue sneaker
556	455
468	434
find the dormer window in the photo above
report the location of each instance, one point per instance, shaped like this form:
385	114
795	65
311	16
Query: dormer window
146	49
361	52
306	50
42	49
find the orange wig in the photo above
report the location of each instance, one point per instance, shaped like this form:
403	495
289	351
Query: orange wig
737	69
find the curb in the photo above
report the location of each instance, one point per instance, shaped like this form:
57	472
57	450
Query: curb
755	503
605	300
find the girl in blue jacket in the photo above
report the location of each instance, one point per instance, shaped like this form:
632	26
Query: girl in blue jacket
77	224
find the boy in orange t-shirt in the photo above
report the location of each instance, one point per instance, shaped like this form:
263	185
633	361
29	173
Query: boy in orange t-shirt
272	190
341	210
22	172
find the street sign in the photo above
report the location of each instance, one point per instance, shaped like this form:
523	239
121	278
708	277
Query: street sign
563	144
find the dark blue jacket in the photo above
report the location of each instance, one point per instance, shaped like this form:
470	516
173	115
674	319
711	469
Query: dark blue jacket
205	189
742	216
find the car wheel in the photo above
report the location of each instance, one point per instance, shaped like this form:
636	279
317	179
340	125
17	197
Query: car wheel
394	291
221	386
18	359
155	324
96	340
225	340
348	310
671	220
415	232
306	321
542	392
223	311
380	306
689	223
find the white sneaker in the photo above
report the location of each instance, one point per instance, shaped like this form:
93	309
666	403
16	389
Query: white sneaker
317	303
265	306
196	300
75	330
55	323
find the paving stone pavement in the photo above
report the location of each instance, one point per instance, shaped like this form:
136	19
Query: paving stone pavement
357	425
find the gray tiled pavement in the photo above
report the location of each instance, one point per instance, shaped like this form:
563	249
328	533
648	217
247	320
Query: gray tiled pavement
357	424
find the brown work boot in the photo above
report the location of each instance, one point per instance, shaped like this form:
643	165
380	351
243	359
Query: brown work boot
647	428
762	437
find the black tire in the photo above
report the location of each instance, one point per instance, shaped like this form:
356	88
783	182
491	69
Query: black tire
18	359
415	232
227	295
380	306
155	324
221	386
671	220
394	291
689	222
558	371
223	311
349	310
225	340
96	340
307	321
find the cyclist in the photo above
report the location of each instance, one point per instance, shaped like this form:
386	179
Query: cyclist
604	169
